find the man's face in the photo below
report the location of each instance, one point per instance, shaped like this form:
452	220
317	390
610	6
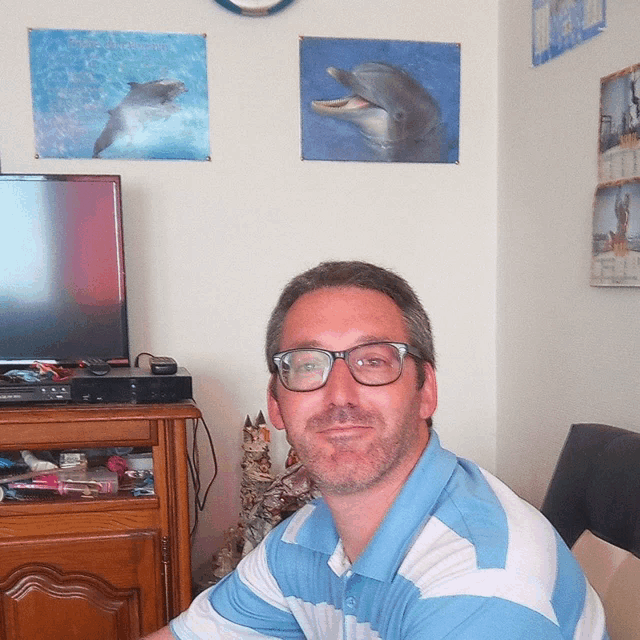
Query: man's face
351	436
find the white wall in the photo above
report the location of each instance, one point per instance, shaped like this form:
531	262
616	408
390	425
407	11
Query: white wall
567	352
209	245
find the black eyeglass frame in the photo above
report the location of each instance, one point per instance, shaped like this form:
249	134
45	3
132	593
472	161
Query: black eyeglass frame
403	349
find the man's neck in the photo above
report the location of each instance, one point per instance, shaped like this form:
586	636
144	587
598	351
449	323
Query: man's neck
357	516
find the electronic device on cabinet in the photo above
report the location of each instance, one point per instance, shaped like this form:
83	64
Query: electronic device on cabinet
62	273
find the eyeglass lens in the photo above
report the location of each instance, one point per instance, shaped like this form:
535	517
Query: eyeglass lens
370	364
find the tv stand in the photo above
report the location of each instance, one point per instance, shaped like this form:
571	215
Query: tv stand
108	567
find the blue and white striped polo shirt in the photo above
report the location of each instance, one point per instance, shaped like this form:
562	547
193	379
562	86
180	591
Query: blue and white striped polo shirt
458	556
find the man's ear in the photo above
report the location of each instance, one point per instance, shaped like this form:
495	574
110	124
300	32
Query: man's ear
428	393
273	408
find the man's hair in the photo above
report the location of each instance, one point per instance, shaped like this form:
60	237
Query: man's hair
338	274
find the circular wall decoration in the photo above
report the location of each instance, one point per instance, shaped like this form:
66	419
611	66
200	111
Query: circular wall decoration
255	8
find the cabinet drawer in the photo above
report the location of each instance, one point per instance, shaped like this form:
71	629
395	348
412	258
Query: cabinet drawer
38	520
42	435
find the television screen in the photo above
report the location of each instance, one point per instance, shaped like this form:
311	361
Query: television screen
62	278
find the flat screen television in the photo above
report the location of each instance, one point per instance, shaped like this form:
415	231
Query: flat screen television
62	275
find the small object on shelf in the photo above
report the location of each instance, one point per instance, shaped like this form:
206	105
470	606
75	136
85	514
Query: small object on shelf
53	372
139	461
76	459
163	365
33	474
22	375
35	464
117	464
97	366
66	482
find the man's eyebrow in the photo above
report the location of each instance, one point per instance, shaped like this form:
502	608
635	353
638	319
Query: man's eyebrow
307	344
372	338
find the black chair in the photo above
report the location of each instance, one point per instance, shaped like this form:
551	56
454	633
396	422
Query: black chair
594	496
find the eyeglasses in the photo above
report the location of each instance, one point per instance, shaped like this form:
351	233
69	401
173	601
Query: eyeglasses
373	364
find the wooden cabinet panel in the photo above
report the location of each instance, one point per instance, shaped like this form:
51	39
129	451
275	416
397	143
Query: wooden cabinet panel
115	579
38	602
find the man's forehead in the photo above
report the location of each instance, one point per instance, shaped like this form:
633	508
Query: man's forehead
362	315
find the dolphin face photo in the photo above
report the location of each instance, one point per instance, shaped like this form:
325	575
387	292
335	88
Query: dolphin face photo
392	110
145	103
379	100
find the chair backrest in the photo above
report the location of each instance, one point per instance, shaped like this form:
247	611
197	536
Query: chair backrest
593	500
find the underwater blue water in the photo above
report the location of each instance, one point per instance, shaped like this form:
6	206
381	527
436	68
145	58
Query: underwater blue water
78	76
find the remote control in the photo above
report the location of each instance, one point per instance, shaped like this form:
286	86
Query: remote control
163	366
97	366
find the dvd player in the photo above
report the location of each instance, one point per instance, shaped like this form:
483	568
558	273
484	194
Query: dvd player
122	385
17	392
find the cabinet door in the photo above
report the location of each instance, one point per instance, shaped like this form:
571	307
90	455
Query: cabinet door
102	587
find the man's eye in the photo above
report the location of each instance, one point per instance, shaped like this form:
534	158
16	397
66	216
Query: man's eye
372	362
303	367
306	367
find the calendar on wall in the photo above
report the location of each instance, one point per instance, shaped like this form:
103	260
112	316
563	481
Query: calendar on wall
616	210
616	235
560	25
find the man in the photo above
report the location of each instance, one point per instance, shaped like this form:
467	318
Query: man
408	542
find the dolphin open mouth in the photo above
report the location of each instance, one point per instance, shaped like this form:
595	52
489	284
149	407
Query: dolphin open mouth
350	103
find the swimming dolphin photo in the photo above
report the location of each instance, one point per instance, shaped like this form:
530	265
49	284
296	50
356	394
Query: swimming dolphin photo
396	114
127	94
145	103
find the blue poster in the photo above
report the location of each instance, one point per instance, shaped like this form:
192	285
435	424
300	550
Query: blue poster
119	94
379	100
560	25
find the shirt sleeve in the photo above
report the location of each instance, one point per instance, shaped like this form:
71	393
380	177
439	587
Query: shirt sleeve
247	604
202	622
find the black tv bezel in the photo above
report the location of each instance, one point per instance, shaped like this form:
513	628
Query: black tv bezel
117	360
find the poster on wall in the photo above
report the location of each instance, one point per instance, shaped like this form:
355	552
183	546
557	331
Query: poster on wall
119	94
616	235
560	25
379	100
619	140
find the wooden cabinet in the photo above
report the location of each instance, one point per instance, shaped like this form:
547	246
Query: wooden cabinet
100	568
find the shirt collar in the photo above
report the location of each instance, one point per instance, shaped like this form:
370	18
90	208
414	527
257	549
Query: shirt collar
410	510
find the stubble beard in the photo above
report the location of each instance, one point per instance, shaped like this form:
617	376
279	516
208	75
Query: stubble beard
351	465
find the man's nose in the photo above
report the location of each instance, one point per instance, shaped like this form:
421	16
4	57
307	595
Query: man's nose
341	386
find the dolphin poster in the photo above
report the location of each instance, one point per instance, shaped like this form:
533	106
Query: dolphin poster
119	94
379	100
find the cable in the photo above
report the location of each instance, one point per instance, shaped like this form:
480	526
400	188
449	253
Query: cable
142	353
194	461
194	469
